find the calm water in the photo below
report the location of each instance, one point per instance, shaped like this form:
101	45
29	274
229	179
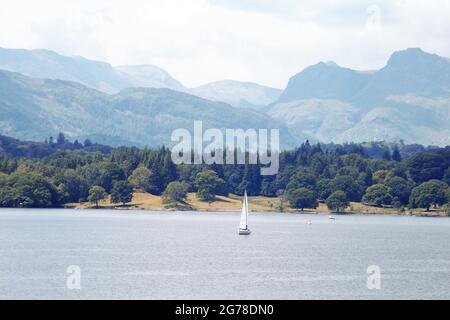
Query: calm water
144	255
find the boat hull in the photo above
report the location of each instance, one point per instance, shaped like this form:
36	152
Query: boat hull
244	232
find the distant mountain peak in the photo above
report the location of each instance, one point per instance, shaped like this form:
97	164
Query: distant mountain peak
414	56
322	65
148	75
238	94
407	99
324	80
412	51
47	64
331	64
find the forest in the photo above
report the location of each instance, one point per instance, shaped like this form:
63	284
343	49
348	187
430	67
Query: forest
56	172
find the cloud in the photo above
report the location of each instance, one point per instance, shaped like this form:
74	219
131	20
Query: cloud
199	41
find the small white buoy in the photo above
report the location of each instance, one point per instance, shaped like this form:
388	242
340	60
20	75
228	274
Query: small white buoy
309	222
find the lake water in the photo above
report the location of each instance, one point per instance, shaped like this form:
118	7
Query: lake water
150	255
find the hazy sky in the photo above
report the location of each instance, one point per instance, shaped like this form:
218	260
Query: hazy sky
198	41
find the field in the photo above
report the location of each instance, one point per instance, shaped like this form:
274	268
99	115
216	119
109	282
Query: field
233	203
147	201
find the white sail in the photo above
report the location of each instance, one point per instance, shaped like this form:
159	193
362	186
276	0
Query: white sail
246	207
244	214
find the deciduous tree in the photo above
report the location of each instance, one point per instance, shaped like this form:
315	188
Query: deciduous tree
377	195
429	193
122	192
96	194
303	198
337	201
208	185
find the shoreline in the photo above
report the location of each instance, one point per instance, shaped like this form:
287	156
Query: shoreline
292	212
232	203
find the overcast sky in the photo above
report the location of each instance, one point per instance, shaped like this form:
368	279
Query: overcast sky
198	41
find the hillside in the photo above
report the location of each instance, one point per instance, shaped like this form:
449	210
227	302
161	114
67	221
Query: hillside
150	76
238	94
408	99
46	64
34	109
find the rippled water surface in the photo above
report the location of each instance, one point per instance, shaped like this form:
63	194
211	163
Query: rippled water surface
146	255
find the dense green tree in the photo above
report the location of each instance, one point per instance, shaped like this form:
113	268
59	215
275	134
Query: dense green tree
187	173
396	203
337	201
447	176
9	197
30	166
176	192
447	193
353	189
284	175
427	166
87	143
381	176
72	187
67	171
77	145
208	185
122	192
378	195
7	165
33	190
110	173
303	198
396	156
400	188
367	177
141	178
3	179
302	179
96	194
348	171
251	181
168	170
164	170
91	173
399	171
325	188
61	139
387	155
269	187
429	193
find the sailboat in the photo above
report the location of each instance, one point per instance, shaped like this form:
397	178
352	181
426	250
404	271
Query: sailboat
243	226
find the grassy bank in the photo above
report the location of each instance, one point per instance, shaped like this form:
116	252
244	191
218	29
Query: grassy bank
233	203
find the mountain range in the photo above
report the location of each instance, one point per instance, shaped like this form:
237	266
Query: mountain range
33	109
46	64
408	99
42	93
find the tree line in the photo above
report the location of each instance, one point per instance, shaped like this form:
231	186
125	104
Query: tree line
55	173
